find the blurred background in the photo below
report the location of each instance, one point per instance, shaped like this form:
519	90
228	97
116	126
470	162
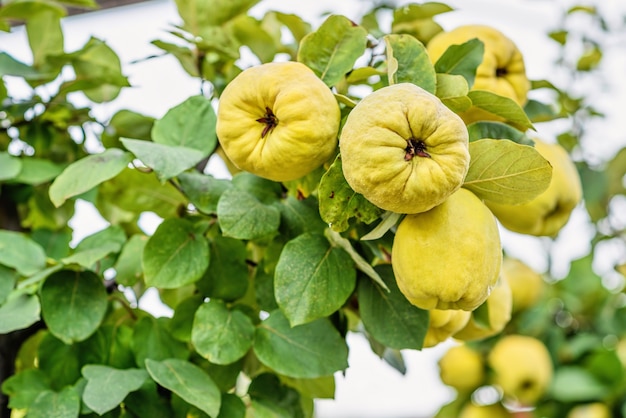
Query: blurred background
370	388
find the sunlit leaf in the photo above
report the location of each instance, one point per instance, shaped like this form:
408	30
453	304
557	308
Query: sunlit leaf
241	215
500	106
10	166
504	172
332	50
87	173
21	253
462	60
49	404
19	311
408	62
107	387
188	381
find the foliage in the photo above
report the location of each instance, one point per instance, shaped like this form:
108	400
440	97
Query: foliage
264	279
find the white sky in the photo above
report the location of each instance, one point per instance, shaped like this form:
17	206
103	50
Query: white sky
370	388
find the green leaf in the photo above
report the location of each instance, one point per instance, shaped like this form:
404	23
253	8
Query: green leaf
21	253
199	13
339	203
266	389
227	278
501	106
253	34
19	311
37	171
98	62
86	173
10	166
147	402
49	404
332	50
11	66
306	351
187	381
590	59
128	124
388	316
55	243
190	124
151	340
575	384
182	321
408	62
183	54
107	387
300	216
87	258
496	130
58	360
320	387
24	387
452	89
138	192
8	278
221	335
128	268
505	172
45	36
462	60
73	304
232	406
166	160
175	255
203	191
540	112
241	215
312	279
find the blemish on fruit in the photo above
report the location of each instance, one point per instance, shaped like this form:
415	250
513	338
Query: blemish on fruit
415	147
501	72
270	120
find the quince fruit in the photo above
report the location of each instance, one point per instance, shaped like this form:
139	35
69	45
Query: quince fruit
448	257
484	411
443	323
590	410
522	367
502	70
278	120
526	284
498	306
462	368
403	149
549	212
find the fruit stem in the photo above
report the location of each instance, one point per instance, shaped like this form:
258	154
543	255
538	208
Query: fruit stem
415	147
270	120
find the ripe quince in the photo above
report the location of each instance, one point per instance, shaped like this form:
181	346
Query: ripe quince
443	323
403	149
278	120
462	368
448	257
522	367
499	314
526	284
590	410
549	212
502	70
484	411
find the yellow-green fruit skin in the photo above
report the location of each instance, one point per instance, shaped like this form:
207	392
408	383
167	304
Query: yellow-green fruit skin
462	368
298	136
448	257
522	367
502	70
548	213
379	157
526	284
484	411
443	323
499	305
590	410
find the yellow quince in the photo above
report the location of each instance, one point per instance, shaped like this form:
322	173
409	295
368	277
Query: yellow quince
522	367
462	368
278	120
498	306
546	214
403	149
526	284
502	70
448	257
590	410
484	411
443	323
